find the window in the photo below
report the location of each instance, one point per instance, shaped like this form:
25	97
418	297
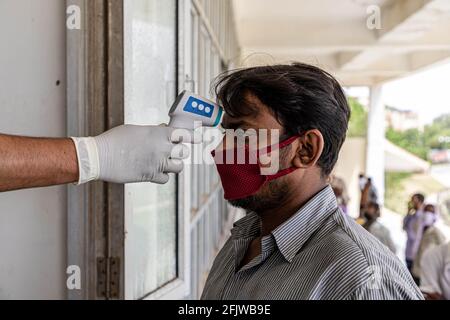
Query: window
150	88
172	232
161	252
209	220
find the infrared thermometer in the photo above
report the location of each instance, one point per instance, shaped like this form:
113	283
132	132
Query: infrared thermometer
189	109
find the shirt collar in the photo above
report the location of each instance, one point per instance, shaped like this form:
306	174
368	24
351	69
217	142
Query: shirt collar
247	227
292	234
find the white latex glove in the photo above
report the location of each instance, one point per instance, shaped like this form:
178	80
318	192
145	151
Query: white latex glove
129	154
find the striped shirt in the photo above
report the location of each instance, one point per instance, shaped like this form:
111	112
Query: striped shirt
319	253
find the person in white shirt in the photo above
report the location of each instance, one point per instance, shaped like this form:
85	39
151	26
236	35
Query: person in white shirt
371	214
431	237
435	273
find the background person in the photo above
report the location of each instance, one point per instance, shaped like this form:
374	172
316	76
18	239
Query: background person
413	226
340	191
377	229
369	194
431	237
435	273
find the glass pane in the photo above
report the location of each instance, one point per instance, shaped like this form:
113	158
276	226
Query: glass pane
150	73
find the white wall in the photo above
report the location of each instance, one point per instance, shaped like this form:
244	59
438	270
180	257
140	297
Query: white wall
352	162
33	222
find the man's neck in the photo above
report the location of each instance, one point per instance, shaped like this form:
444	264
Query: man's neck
294	200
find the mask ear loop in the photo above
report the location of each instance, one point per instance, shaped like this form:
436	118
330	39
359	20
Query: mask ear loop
281	145
281	173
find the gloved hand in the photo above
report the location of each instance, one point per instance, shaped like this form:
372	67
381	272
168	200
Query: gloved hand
129	154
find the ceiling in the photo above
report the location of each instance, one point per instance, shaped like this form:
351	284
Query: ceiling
334	35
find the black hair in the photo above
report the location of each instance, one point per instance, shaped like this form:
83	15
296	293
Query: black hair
374	205
301	97
419	197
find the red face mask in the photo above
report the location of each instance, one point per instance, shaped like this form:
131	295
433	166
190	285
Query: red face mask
240	181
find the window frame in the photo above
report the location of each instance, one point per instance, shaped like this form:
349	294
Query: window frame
94	105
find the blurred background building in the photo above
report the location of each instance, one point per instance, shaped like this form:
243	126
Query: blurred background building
126	64
402	120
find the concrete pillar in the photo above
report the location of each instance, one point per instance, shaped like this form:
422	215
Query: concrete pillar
375	140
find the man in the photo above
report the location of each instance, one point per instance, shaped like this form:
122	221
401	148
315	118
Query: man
369	194
435	273
431	237
294	242
379	231
362	180
340	191
412	224
125	154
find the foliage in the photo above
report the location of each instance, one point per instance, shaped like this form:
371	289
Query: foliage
421	142
394	191
438	129
411	140
358	120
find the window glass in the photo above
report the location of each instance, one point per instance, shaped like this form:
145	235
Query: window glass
150	73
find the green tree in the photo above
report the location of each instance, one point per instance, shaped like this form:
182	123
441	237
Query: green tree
420	143
411	140
435	131
358	121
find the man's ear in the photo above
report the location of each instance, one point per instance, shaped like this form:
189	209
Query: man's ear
309	149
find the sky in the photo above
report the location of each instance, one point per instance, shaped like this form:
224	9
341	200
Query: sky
426	92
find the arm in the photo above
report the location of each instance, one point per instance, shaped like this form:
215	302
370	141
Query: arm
36	162
126	154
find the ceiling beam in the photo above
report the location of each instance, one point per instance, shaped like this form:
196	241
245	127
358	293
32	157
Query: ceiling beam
403	22
398	13
324	49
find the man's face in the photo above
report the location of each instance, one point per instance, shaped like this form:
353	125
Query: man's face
371	212
272	193
416	202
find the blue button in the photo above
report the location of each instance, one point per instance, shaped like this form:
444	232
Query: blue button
199	107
